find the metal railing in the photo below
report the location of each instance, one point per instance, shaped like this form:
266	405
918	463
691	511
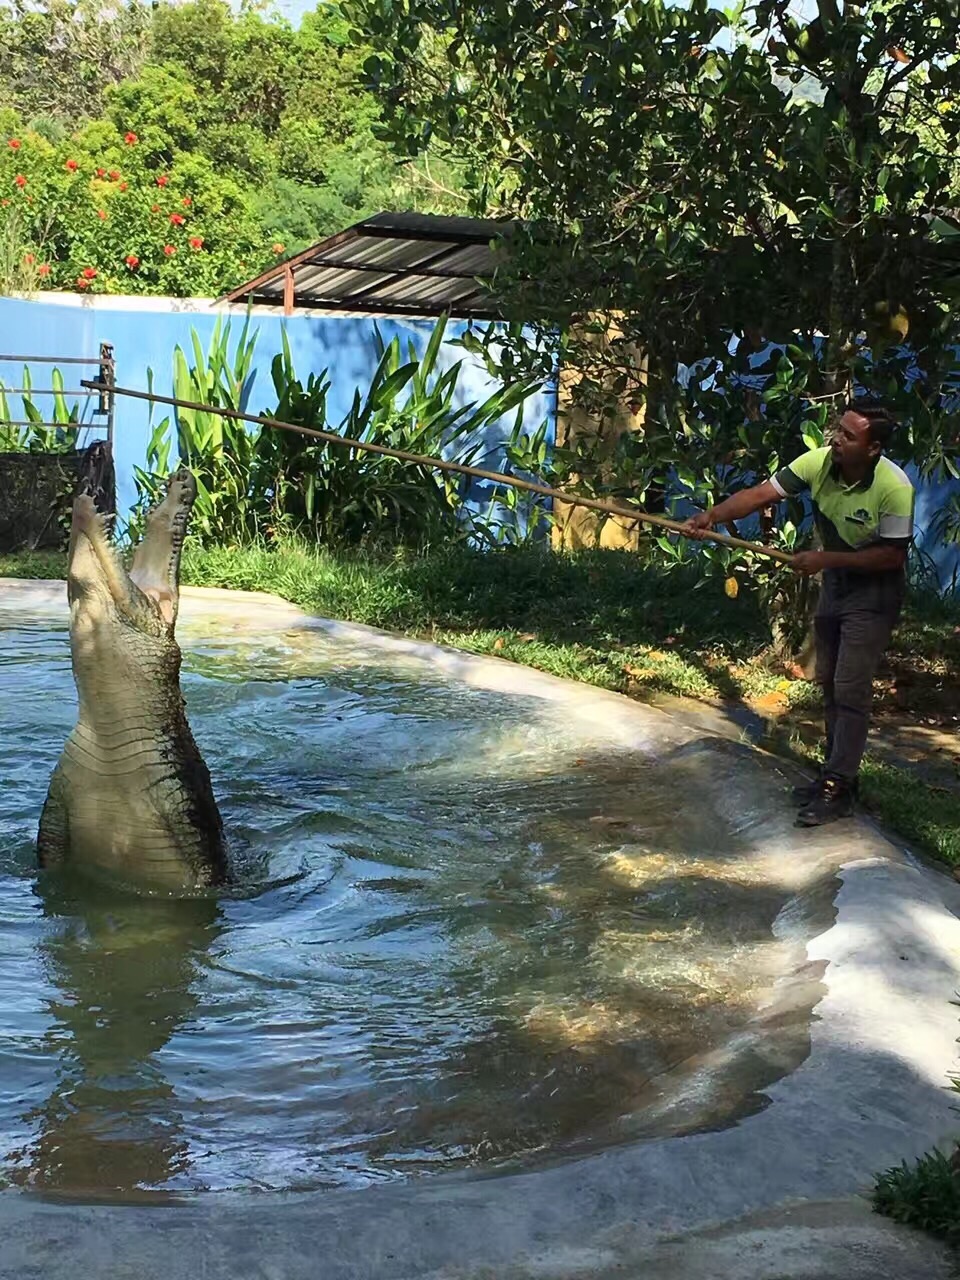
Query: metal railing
103	396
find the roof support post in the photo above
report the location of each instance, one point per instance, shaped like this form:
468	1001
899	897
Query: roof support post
287	289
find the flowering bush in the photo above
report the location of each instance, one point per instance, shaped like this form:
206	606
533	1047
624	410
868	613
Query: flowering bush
104	212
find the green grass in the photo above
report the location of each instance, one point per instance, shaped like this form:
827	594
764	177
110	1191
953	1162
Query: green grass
33	564
601	617
927	816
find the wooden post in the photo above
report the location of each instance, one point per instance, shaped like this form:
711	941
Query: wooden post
287	289
574	526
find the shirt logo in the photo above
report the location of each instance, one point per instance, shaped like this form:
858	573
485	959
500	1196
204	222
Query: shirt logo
860	517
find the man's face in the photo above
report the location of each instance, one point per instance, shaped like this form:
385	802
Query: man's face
851	446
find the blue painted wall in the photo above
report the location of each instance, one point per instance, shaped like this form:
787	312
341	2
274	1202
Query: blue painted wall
144	333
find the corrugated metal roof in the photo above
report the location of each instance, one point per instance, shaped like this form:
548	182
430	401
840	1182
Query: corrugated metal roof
392	263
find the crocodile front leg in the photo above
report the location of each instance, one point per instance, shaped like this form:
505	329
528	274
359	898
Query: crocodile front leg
53	837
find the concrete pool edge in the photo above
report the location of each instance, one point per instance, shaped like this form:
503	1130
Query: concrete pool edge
872	1092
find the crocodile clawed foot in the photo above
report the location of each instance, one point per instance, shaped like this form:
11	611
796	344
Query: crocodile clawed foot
86	518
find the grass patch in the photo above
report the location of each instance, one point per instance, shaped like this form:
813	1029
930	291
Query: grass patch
600	597
33	564
925	1194
927	816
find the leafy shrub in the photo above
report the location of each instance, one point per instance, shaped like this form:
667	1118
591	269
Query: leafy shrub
926	1195
259	482
53	430
105	212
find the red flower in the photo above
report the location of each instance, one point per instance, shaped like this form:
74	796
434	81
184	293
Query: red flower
28	259
177	219
14	144
278	248
196	242
132	261
114	175
43	269
71	166
101	173
186	202
102	215
82	283
131	139
89	273
20	180
169	250
154	208
4	203
122	186
162	180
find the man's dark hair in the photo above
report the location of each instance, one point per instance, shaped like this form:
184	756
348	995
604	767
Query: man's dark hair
882	422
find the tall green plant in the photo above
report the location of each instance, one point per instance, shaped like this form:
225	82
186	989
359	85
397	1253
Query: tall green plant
354	497
261	483
220	451
51	431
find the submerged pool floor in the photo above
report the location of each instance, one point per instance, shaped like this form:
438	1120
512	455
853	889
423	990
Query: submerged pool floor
467	929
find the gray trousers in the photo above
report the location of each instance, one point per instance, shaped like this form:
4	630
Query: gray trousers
850	645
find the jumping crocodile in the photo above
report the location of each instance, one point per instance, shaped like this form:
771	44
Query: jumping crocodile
131	796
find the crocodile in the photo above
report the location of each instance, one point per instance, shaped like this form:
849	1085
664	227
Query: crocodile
131	797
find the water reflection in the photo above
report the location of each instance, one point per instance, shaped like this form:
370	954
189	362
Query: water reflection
124	972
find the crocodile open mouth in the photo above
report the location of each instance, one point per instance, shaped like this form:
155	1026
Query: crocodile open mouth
96	477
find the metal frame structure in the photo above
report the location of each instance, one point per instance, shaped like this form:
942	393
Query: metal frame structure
104	396
409	264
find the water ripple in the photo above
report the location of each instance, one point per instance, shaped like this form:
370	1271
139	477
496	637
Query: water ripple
434	954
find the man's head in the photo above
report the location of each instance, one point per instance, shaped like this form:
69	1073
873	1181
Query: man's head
862	433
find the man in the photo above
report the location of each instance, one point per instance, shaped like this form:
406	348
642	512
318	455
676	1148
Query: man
863	507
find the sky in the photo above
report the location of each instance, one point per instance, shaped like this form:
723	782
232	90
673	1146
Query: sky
294	9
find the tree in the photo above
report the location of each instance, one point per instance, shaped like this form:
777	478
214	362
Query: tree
267	130
57	57
675	189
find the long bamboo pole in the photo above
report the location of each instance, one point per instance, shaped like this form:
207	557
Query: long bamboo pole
441	464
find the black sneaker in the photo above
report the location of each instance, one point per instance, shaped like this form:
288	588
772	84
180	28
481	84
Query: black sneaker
807	791
834	800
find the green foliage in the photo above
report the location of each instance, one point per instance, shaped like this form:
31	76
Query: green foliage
924	1195
686	173
220	451
263	129
99	214
260	483
51	430
56	58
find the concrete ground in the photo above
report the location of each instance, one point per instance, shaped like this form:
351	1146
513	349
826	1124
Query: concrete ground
779	1195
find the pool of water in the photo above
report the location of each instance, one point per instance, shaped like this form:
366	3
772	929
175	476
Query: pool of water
466	930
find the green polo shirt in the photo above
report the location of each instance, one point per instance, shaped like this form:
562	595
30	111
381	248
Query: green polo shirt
850	517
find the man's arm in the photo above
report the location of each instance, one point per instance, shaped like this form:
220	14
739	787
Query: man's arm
736	507
869	560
